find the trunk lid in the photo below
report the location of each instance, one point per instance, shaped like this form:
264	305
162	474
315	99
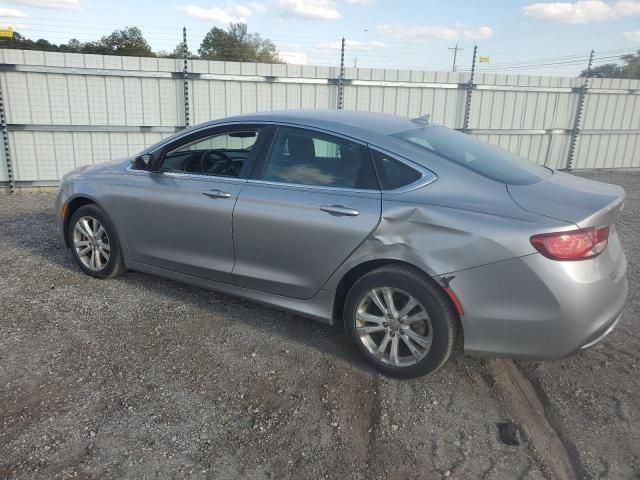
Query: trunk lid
573	199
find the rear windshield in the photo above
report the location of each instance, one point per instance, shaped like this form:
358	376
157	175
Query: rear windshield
476	155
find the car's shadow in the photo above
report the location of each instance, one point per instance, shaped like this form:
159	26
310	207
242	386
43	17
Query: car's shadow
38	233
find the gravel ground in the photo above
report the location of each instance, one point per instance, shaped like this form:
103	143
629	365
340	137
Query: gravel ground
141	377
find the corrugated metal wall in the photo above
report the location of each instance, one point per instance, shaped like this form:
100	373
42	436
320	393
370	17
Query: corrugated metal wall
67	110
4	175
611	130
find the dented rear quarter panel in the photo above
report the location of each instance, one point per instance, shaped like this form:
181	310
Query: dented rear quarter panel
456	223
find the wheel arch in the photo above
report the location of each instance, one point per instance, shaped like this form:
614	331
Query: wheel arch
72	205
355	272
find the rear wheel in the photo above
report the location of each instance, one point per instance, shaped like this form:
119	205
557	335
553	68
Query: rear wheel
400	321
94	243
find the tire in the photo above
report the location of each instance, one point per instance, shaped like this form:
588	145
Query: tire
104	247
437	329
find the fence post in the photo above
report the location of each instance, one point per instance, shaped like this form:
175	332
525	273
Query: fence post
470	87
5	139
341	77
185	73
579	112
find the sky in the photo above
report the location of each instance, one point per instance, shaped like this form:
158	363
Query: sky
545	38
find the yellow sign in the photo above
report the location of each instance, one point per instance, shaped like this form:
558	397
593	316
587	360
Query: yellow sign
484	58
6	32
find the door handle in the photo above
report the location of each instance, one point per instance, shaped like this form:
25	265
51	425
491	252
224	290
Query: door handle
216	194
339	210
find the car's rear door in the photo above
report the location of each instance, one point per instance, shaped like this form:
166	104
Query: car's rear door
315	199
179	217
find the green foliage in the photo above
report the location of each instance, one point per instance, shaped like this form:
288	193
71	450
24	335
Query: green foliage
74	46
128	41
630	68
236	44
18	41
177	52
608	70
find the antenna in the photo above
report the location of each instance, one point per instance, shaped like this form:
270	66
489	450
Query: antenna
424	119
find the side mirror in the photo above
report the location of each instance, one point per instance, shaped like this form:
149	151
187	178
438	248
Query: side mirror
142	162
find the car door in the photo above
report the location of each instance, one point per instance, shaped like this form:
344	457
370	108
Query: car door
315	199
178	216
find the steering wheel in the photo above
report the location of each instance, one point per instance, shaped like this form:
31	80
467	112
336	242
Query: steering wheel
191	164
227	168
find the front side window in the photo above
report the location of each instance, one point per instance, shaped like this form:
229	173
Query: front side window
221	154
475	155
307	157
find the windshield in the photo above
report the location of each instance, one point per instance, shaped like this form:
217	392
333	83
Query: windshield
476	155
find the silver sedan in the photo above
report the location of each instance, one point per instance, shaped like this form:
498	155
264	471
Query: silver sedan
415	237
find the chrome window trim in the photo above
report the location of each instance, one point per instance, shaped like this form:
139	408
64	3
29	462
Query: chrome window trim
270	183
192	176
427	177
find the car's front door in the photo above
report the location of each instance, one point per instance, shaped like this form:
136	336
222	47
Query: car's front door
315	200
178	216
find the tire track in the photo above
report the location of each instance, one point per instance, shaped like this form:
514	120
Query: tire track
527	409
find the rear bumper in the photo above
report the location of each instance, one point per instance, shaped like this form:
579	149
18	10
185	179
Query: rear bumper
602	333
536	308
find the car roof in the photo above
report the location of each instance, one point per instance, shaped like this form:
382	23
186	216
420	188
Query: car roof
362	125
371	128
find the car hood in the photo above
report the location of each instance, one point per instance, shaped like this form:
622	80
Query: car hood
573	199
113	167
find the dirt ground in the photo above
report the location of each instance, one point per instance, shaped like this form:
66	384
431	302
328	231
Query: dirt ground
141	377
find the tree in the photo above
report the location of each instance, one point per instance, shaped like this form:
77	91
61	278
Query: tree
42	44
74	46
608	70
236	44
128	41
178	52
630	69
18	41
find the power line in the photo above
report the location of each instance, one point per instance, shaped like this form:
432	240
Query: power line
546	64
567	58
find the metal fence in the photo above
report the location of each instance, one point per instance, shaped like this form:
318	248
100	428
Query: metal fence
63	110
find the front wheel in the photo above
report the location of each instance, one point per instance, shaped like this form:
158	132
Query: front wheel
94	243
400	321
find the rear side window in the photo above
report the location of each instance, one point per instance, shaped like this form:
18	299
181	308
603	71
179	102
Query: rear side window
475	155
392	173
307	157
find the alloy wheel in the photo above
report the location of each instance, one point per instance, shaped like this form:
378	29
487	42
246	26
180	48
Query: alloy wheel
91	243
393	326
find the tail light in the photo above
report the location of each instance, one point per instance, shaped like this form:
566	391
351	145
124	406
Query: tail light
572	245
